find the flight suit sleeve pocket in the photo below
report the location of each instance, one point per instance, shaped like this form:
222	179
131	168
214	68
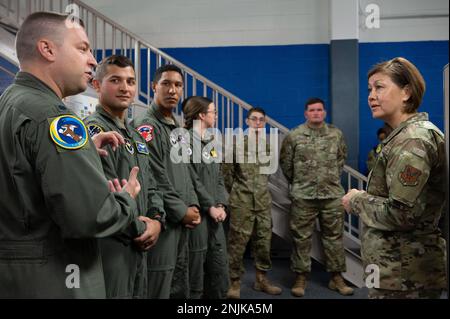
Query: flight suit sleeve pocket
22	253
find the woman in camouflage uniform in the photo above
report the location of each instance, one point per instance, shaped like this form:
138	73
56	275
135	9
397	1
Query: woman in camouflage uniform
406	191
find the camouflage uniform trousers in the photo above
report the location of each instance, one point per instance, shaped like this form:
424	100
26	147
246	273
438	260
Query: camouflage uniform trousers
331	218
247	223
409	294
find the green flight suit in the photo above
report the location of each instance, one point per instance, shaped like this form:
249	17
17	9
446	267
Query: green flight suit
250	202
168	261
124	264
312	161
55	201
208	260
401	209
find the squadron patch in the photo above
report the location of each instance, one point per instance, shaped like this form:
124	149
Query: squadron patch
409	176
146	132
142	148
68	132
94	129
129	146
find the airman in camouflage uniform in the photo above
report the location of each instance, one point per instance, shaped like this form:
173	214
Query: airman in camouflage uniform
312	157
406	191
250	216
382	133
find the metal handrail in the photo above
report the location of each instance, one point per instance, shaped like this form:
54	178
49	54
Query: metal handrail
231	109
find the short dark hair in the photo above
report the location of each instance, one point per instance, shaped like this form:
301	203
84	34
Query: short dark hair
403	73
118	60
192	107
386	129
256	109
36	26
166	68
314	100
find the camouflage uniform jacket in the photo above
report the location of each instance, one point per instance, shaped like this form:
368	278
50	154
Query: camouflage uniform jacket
402	206
248	188
312	161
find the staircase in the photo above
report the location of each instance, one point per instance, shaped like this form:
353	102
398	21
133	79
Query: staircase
107	37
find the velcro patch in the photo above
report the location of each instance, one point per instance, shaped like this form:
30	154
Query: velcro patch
418	152
409	176
94	129
142	148
146	132
68	132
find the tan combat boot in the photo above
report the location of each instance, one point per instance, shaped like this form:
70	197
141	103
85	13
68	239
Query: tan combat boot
235	289
337	283
298	290
263	284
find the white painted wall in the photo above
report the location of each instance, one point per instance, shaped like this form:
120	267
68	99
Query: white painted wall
406	20
203	23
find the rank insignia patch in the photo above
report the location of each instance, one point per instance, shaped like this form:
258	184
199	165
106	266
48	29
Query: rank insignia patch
94	129
410	176
142	148
129	146
146	132
68	132
379	148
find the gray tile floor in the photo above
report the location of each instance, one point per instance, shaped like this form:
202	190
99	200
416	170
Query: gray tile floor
317	285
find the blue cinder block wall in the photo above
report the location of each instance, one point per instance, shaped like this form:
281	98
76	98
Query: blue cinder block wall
5	78
282	78
278	78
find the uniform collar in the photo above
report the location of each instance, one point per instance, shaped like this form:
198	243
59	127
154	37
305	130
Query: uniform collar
154	110
316	131
418	117
117	122
29	80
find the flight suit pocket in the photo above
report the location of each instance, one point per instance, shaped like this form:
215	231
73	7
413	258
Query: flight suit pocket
23	252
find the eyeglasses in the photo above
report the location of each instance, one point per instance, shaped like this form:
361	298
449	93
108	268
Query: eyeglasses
215	112
257	119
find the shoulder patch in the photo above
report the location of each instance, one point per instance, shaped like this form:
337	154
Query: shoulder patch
68	132
94	129
409	176
146	132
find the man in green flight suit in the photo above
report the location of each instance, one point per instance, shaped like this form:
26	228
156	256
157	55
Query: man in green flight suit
168	261
55	200
125	264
